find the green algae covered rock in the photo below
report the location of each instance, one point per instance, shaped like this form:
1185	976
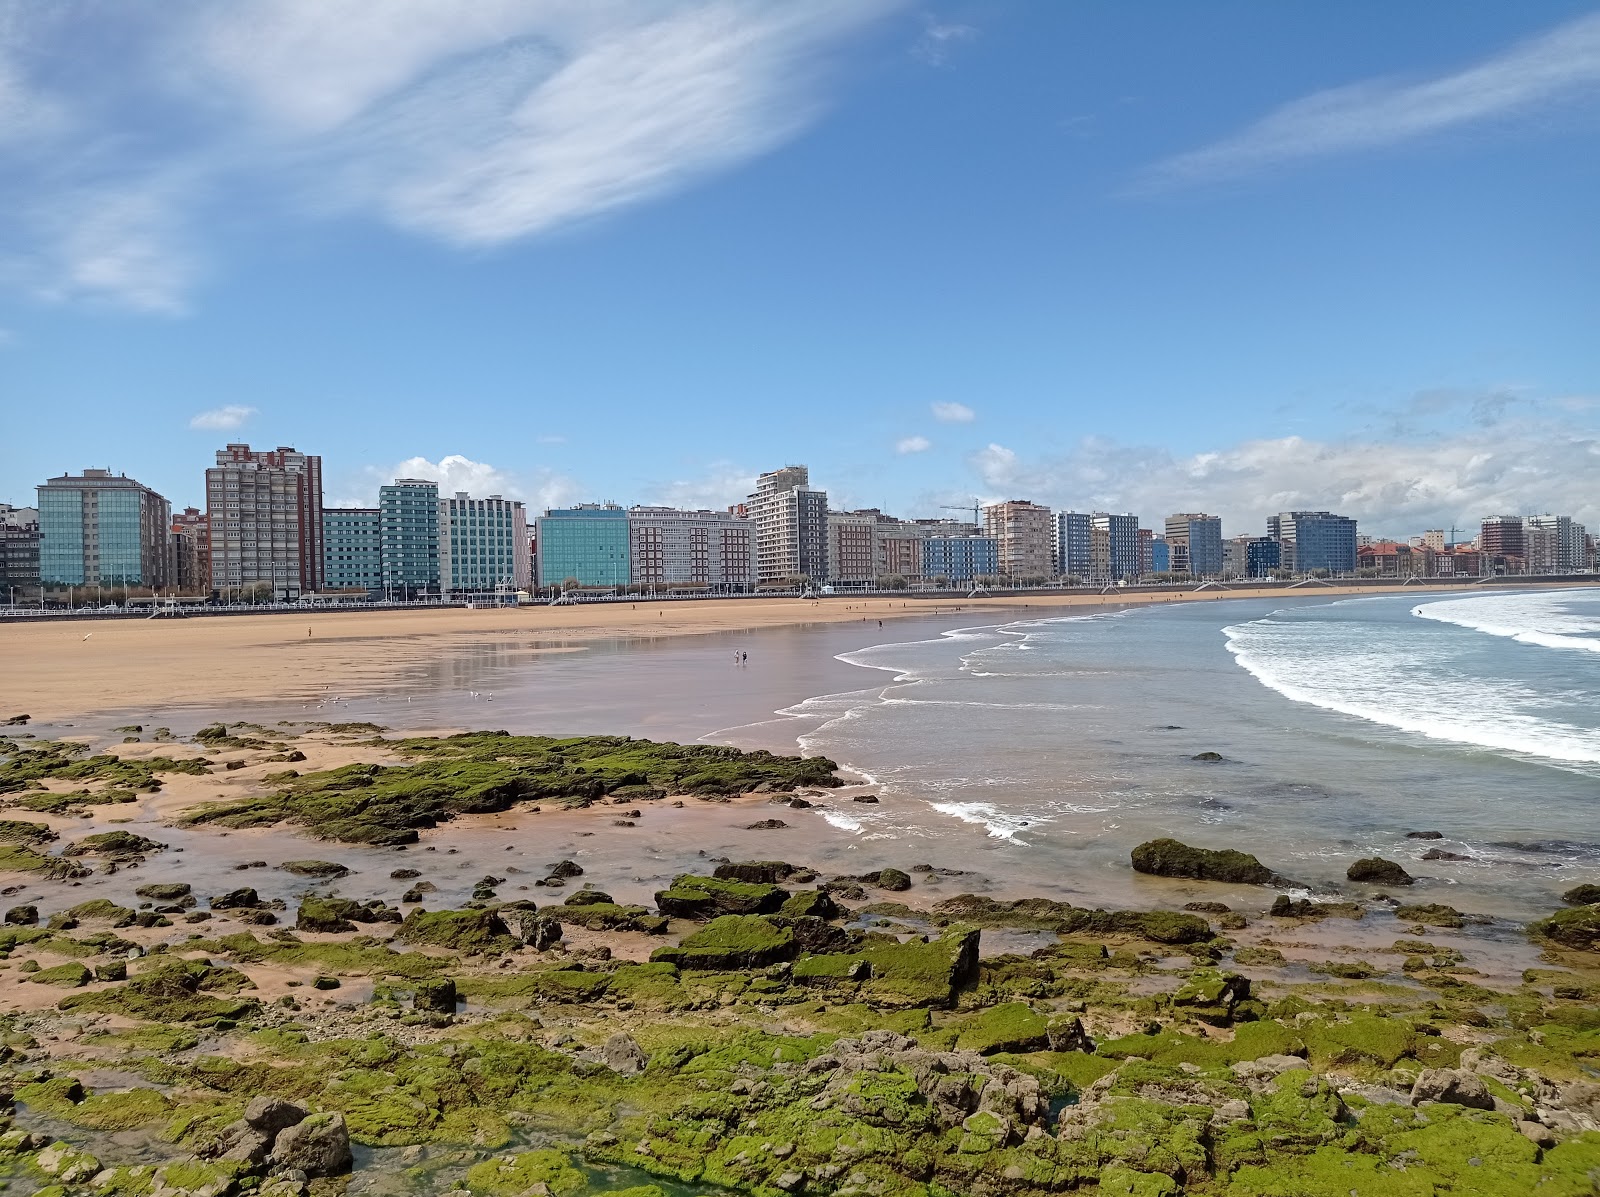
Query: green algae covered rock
1173	858
458	930
67	976
734	941
1013	1027
485	772
921	974
607	916
516	1175
1210	995
1431	914
1577	927
113	843
1582	895
170	993
694	897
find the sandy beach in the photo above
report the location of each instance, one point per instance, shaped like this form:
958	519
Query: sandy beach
71	668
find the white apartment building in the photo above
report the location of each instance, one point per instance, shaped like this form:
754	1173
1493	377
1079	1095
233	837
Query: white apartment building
265	514
791	524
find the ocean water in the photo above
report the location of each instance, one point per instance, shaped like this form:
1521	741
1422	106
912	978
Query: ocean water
1045	749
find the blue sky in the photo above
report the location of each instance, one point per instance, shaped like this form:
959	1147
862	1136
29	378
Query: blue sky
1232	257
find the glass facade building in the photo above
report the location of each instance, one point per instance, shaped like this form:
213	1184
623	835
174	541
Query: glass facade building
103	529
1073	544
483	545
1313	540
588	543
960	558
352	557
408	531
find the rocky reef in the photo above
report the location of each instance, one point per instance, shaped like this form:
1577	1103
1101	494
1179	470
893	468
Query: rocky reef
766	1029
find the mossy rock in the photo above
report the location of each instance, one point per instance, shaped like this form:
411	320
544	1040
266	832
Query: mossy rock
486	772
734	941
164	891
1375	870
15	831
315	868
696	897
1173	858
516	1175
1582	895
1431	914
1013	1027
66	976
1577	927
921	974
608	916
458	930
170	993
113	843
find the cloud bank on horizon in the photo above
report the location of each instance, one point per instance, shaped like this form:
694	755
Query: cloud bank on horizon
1542	71
1392	486
123	128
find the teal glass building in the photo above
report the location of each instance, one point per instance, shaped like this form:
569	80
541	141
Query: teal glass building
588	542
352	556
103	529
408	534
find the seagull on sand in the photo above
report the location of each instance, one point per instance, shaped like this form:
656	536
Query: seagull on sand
86	637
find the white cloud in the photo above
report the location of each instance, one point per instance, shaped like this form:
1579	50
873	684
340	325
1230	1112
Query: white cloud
913	444
1553	67
222	419
456	472
551	438
477	125
722	485
953	413
1396	487
938	39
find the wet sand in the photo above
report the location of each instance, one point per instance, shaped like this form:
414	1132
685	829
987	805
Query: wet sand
68	668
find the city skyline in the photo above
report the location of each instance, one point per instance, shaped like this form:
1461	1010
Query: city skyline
1225	260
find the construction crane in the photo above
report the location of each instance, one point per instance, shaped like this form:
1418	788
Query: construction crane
976	509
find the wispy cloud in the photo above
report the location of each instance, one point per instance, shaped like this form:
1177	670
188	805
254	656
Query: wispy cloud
1392	486
722	485
1554	67
222	419
952	413
938	39
913	444
125	132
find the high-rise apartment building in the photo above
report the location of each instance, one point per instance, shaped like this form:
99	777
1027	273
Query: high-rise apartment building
791	523
100	528
1314	540
483	545
1195	542
191	551
1073	556
1433	539
853	547
1122	556
1567	543
587	544
668	547
1503	537
19	553
1025	535
265	512
960	559
1250	557
352	549
408	538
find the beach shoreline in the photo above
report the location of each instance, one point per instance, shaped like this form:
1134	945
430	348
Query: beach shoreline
67	669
